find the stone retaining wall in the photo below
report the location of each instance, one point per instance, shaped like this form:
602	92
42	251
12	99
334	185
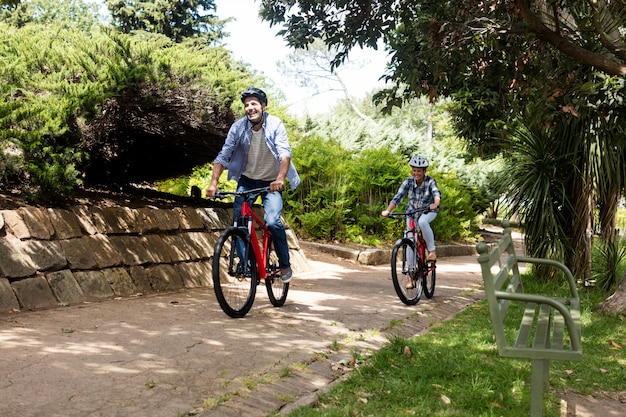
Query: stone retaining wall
52	257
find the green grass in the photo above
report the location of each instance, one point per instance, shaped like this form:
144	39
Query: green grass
455	370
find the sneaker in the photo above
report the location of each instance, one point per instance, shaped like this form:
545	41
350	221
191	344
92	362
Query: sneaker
432	256
286	274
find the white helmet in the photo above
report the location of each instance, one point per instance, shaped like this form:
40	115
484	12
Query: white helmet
418	161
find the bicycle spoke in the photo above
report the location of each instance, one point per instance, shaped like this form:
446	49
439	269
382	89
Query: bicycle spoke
276	289
234	273
404	274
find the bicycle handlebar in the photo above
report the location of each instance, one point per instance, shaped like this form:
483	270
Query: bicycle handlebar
408	213
223	194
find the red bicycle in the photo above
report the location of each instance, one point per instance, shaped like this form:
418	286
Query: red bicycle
241	261
411	273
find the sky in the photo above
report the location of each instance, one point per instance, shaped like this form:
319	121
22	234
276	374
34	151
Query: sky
253	41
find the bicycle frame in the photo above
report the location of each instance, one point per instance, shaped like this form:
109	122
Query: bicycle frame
420	243
246	212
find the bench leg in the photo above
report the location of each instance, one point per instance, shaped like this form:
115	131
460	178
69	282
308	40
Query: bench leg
539	379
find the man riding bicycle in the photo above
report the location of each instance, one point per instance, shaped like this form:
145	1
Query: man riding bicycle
257	154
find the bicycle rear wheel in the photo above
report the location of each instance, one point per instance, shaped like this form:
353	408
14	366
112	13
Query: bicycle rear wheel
404	273
429	276
235	274
276	289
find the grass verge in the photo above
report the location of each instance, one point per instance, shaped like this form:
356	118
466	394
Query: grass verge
455	370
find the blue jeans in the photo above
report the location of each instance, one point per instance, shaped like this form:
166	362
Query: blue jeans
273	206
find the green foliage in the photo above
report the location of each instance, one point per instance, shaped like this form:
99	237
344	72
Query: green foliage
608	263
342	195
65	13
54	79
318	205
175	19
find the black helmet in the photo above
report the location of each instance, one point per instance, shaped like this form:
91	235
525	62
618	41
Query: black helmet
254	92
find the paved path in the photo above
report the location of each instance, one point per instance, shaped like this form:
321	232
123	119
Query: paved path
170	354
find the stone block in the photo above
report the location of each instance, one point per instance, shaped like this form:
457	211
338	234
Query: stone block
203	243
8	302
157	249
14	260
166	220
34	293
196	274
292	239
15	224
164	278
188	218
299	261
94	284
216	218
46	255
37	221
132	250
65	223
193	247
146	222
120	281
374	257
178	248
64	286
140	278
105	254
77	254
83	216
114	220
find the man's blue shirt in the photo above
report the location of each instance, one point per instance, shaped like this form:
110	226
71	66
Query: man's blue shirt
234	153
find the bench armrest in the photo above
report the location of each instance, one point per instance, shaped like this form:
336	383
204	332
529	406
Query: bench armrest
568	273
572	327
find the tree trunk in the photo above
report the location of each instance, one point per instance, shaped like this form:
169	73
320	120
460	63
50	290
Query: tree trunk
607	213
616	303
581	234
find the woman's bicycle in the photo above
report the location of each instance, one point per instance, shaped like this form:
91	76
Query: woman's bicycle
411	273
241	261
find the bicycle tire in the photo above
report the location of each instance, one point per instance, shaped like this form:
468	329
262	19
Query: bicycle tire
234	283
276	289
429	276
402	274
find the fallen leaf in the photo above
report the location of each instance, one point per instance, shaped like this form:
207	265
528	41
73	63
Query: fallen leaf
363	400
614	345
407	351
569	371
604	371
445	399
64	330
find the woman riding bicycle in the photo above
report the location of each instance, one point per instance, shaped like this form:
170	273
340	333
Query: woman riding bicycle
423	194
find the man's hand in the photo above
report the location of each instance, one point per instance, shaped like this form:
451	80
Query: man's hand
211	190
277	185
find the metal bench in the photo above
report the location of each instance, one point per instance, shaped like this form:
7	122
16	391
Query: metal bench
549	328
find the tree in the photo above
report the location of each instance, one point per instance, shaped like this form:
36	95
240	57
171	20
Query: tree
312	68
75	13
176	19
499	61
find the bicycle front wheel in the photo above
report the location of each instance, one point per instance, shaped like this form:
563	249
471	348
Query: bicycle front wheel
429	276
276	289
404	272
235	274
